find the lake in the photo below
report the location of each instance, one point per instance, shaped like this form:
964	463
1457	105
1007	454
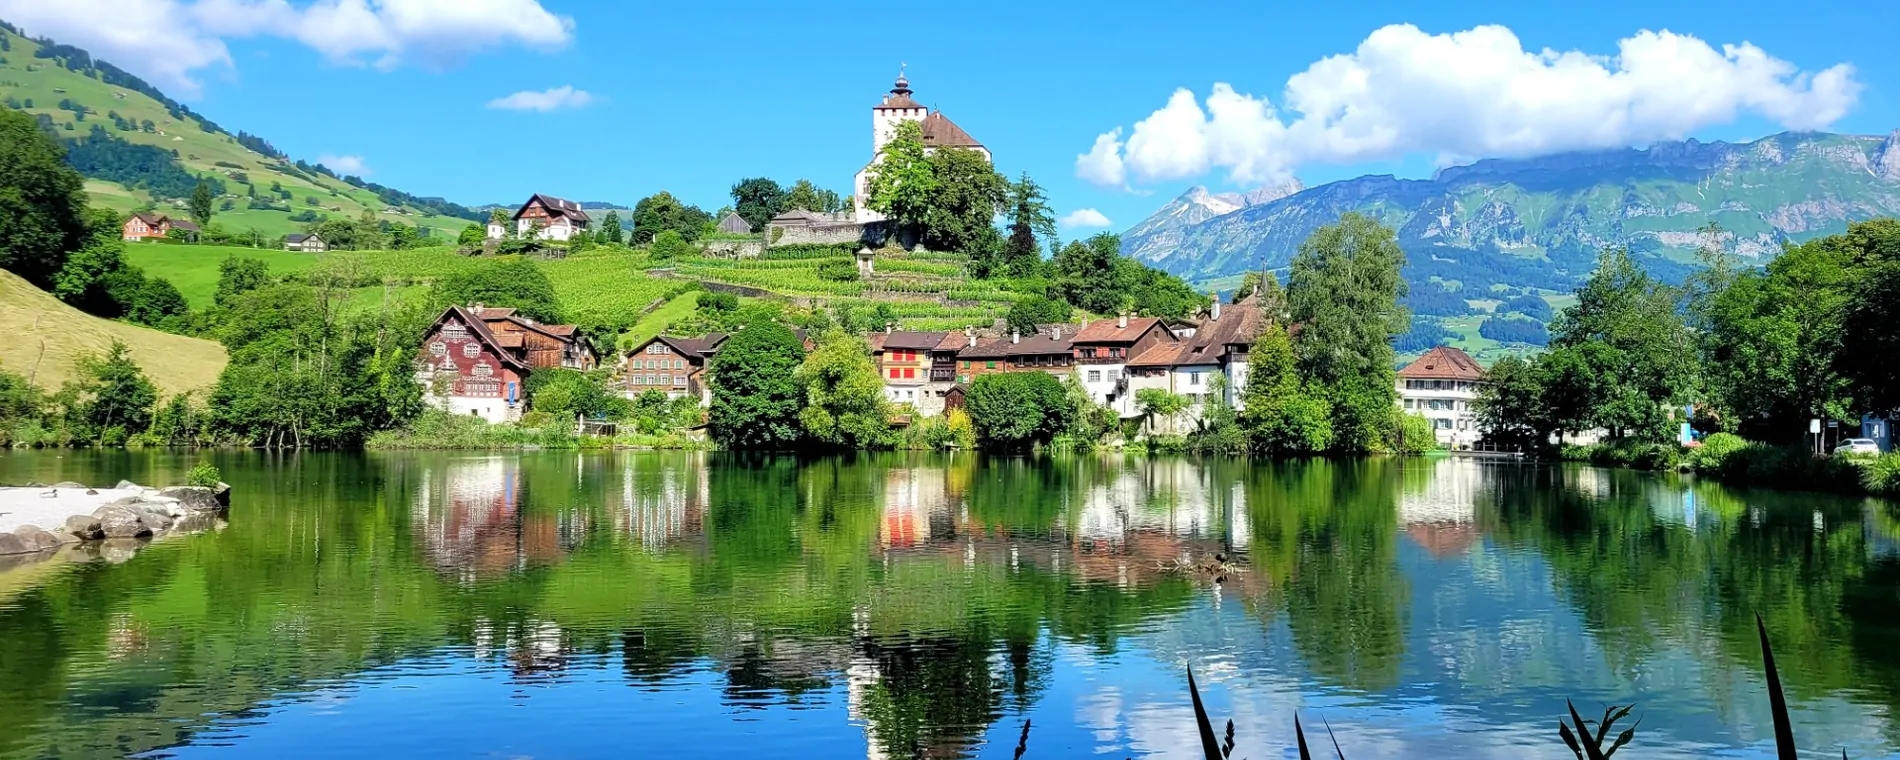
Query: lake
556	605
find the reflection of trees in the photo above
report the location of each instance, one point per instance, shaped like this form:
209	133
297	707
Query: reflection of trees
1325	540
929	697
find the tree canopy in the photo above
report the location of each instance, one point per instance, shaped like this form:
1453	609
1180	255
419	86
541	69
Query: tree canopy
844	396
660	212
509	282
1343	290
757	200
42	201
756	398
1015	410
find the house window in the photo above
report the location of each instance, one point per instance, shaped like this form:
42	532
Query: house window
989	365
966	365
910	373
963	378
1408	403
679	379
1109	376
893	373
1464	424
1194	378
1095	376
656	348
439	348
637	380
1444	424
1088	353
471	350
1117	353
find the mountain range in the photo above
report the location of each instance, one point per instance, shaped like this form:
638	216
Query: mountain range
1505	226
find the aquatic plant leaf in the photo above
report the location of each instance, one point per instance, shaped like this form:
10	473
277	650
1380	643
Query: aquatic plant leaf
1209	745
1330	735
1563	729
1022	745
1778	704
1301	736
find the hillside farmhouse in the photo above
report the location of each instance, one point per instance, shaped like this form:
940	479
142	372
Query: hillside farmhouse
475	359
546	217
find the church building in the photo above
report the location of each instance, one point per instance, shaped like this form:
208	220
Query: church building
898	107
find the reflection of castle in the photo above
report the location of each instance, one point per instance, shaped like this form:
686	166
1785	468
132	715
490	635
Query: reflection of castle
1439	516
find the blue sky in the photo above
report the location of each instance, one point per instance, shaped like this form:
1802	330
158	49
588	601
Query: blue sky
692	97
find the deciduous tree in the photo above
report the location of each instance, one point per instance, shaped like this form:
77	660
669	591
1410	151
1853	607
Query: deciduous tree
755	395
845	405
757	200
1344	291
42	202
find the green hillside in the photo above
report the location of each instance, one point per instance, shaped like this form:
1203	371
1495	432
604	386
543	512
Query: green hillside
45	337
201	149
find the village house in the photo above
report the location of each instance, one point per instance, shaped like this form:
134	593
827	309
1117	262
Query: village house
308	243
149	226
1102	350
673	365
476	359
898	107
547	218
1441	386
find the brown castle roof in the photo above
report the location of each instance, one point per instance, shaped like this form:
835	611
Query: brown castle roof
1443	363
941	132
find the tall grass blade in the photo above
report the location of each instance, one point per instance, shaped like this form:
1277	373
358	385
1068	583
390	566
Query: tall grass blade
1301	735
1022	745
1210	746
1591	750
1329	735
1778	704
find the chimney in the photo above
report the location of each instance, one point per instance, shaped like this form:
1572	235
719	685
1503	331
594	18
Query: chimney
889	326
1215	313
971	331
1015	336
476	307
1121	320
1056	333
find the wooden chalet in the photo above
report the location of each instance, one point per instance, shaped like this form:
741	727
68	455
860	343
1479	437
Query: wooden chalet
475	359
148	226
559	219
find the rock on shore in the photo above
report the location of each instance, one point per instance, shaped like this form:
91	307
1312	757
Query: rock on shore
79	514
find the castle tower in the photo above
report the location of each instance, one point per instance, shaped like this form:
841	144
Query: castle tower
897	106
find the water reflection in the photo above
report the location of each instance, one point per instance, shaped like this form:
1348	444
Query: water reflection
924	606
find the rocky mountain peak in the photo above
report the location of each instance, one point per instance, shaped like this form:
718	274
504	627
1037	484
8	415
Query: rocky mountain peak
1887	159
1273	192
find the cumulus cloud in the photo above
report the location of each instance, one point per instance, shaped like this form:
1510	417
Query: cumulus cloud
345	164
1464	95
554	99
169	42
1084	217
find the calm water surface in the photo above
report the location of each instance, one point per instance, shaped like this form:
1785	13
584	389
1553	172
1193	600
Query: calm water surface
556	605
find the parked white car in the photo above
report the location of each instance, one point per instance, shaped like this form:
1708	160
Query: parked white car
1857	446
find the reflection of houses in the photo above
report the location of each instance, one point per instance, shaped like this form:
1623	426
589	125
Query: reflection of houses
472	523
1439	515
665	502
916	508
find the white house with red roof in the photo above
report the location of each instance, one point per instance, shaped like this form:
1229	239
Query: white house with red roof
1441	386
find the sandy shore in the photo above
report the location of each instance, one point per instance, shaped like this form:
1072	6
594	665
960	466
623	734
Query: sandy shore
31	506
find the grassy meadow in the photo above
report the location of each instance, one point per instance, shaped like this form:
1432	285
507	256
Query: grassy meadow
44	338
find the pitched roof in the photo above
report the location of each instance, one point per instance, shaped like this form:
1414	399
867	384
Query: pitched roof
555	207
298	237
480	330
150	219
795	215
953	341
941	132
899	97
1444	363
1239	324
912	341
735	223
492	313
1111	331
1030	345
1162	354
183	224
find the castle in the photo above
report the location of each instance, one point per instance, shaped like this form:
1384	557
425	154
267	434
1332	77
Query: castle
897	107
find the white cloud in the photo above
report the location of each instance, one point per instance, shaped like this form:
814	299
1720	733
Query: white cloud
1464	95
345	164
553	99
170	41
1084	217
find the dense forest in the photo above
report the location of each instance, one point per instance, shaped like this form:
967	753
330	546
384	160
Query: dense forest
104	155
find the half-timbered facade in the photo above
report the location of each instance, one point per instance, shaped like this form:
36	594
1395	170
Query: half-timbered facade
146	226
464	369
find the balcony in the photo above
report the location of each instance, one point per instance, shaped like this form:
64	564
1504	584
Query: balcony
943	375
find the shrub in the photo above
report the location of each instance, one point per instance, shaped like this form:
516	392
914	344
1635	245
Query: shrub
204	475
1881	476
1715	452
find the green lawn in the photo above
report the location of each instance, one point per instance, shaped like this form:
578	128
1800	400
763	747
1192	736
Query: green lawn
657	320
193	269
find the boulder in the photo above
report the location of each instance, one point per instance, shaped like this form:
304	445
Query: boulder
12	544
37	538
118	550
223	492
121	522
128	501
194	498
70	484
154	517
85	527
125	485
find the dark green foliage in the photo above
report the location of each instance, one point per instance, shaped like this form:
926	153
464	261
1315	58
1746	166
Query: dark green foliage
947	199
1514	330
512	283
670	245
1435	300
755	395
1015	410
42	202
610	228
714	303
302	374
103	155
200	203
757	200
1343	291
564	393
661	212
838	271
1637	354
1425	335
1530	306
1029	312
1029	218
238	275
113	400
803	194
844	396
1085	275
1870	330
157	303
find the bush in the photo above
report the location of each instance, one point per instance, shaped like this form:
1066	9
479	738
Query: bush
1881	476
1715	452
204	475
